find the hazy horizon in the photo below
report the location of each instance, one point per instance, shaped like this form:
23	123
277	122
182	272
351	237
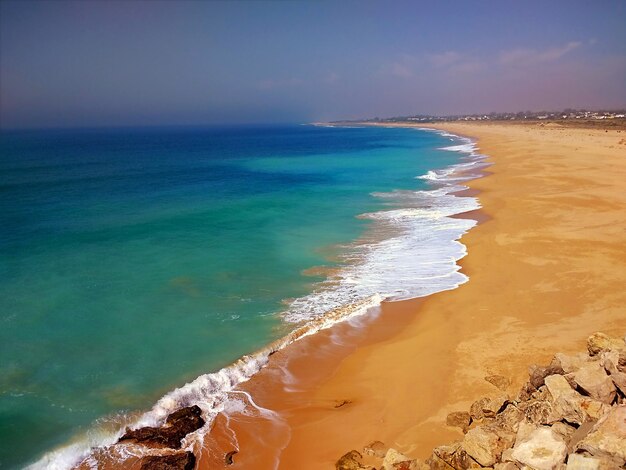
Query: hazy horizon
160	63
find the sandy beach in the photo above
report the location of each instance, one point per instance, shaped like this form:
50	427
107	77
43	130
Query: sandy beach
546	270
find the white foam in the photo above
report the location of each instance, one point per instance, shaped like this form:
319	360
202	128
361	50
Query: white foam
420	256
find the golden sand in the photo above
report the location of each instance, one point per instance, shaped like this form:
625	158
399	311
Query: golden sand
546	270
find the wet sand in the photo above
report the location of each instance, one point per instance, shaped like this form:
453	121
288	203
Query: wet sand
546	267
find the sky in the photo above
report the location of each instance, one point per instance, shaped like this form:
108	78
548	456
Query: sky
125	62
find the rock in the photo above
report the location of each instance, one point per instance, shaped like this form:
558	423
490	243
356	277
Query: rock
509	418
487	407
593	379
349	461
395	460
581	462
564	430
177	426
579	435
229	458
460	419
177	461
537	374
505	466
485	444
446	457
376	449
525	392
541	450
599	342
610	361
499	381
537	411
569	405
619	380
571	363
608	437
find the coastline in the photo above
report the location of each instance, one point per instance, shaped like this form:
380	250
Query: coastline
222	395
542	275
396	375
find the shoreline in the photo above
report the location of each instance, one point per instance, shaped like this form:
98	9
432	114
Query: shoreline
235	377
537	285
396	380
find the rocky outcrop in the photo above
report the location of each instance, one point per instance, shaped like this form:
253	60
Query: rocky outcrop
350	461
177	426
177	461
570	415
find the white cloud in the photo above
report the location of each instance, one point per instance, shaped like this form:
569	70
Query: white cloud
523	56
444	59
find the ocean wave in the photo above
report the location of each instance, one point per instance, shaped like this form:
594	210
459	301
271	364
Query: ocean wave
411	251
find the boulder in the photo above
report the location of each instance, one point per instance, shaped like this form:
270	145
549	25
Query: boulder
599	342
537	374
454	456
582	462
579	435
570	362
564	430
525	392
487	407
486	443
542	449
499	381
460	419
177	461
592	378
177	426
375	449
349	461
569	405
505	466
509	419
537	411
395	460
608	437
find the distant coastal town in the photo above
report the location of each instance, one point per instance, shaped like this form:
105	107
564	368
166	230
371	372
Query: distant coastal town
564	115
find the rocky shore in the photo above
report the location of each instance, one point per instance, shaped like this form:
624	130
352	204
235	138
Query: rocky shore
571	414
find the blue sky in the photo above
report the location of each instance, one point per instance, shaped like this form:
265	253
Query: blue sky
91	63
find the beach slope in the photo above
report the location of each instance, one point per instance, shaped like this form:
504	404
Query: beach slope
546	271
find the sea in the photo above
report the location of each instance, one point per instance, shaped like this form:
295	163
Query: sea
141	268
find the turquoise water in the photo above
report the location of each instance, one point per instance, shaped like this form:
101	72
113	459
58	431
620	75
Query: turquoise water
133	260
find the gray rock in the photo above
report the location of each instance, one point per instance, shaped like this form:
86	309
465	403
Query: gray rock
608	437
542	449
592	378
